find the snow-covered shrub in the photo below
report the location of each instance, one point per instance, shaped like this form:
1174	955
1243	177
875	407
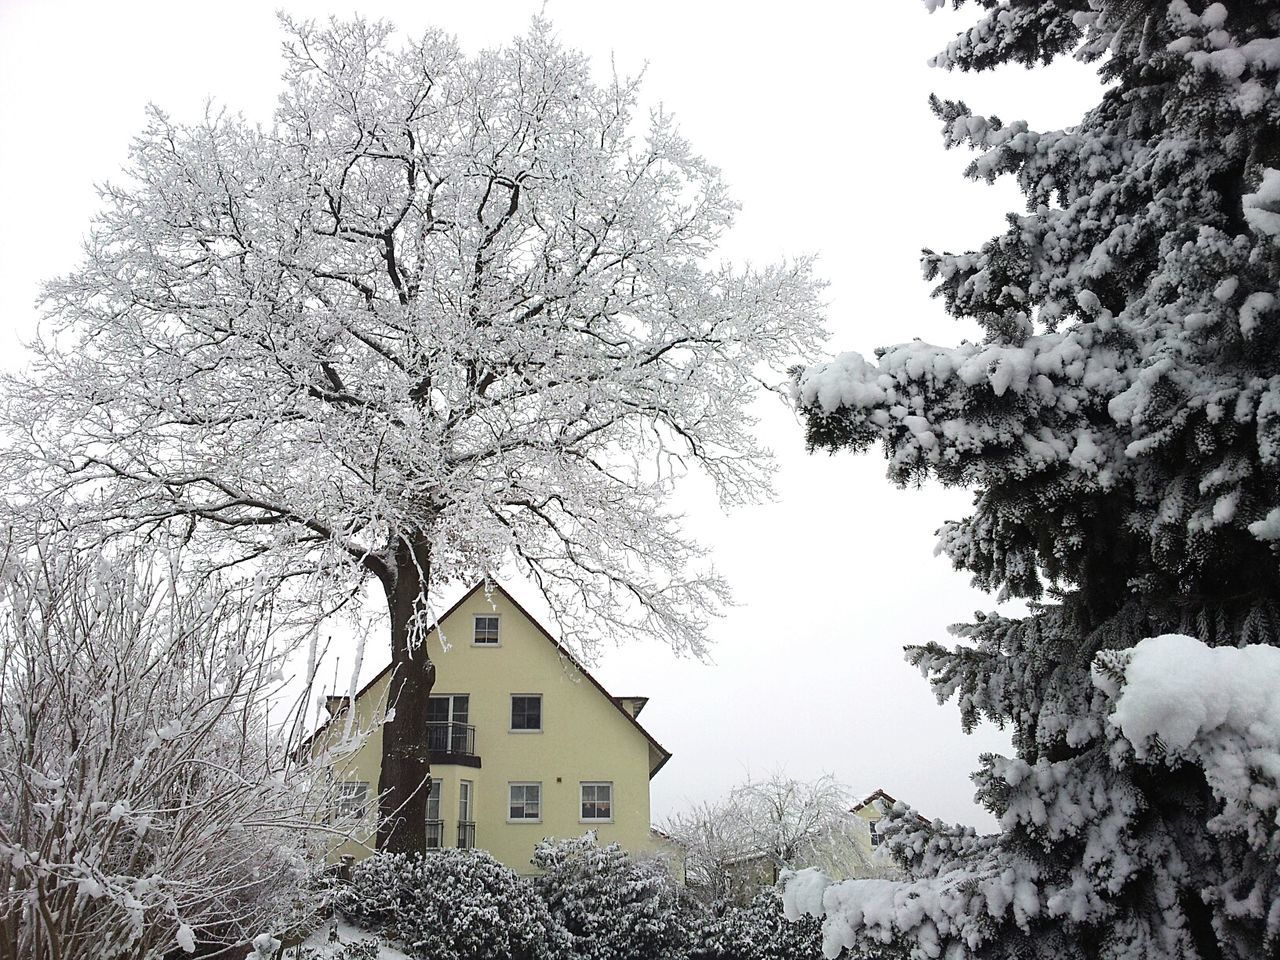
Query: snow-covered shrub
367	948
757	931
146	805
613	906
452	905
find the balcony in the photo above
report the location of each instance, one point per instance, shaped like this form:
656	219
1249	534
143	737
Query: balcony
466	834
450	742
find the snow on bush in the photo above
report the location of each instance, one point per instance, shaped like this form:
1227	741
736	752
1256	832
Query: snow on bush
146	806
757	931
452	905
614	907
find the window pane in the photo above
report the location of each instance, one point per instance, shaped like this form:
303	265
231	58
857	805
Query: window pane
597	801
526	713
525	801
486	630
433	802
461	707
438	709
350	798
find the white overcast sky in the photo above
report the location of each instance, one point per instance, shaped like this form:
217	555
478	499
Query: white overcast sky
817	114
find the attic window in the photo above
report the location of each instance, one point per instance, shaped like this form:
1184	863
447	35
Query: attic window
486	631
876	837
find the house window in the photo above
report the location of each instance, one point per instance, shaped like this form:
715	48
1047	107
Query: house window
435	826
526	801
876	837
466	823
526	711
351	799
597	801
447	728
486	631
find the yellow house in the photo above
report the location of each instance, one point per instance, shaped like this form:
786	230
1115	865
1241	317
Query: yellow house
860	857
525	743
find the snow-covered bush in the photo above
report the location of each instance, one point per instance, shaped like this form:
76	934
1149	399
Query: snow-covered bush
452	905
613	906
1119	422
146	804
757	931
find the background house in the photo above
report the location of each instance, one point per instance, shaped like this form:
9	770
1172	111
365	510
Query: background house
525	743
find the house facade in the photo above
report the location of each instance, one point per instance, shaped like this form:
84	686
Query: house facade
524	743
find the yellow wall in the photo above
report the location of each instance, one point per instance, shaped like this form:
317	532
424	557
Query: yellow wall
584	737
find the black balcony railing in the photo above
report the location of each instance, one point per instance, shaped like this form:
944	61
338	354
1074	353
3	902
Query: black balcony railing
466	834
458	739
435	834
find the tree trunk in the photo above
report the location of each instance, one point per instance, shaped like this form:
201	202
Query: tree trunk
405	782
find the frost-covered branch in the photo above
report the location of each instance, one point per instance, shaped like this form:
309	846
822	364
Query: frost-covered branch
148	801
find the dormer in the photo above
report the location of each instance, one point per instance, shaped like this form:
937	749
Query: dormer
633	705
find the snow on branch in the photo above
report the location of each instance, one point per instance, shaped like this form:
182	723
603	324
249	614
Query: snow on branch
151	793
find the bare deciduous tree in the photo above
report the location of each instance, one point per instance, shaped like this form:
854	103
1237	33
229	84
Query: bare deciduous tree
734	845
145	800
789	820
443	314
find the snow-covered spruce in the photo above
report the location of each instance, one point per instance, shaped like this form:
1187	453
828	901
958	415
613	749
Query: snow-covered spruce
1175	701
614	907
452	905
1120	421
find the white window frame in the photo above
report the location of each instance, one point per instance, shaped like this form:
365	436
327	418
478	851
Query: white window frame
511	703
497	642
341	799
434	804
466	801
524	783
876	836
436	799
582	800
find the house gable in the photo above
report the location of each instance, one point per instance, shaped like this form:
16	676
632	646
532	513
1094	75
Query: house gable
457	628
582	740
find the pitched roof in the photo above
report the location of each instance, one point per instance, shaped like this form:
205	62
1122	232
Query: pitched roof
615	702
879	795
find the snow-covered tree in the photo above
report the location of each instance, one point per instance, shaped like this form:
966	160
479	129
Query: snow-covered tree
1119	421
733	845
615	907
446	312
794	822
712	838
148	803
